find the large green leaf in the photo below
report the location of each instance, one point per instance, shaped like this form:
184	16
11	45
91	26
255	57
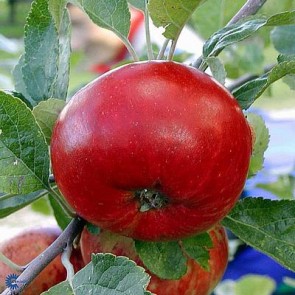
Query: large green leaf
43	70
250	91
268	226
261	136
242	30
172	15
24	159
165	259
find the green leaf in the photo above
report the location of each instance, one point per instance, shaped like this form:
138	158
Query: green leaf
61	217
217	69
248	285
284	57
111	275
56	9
24	159
20	96
10	203
260	145
61	83
61	288
247	93
172	15
268	226
242	30
250	91
19	82
164	259
288	79
197	247
139	4
283	188
113	15
43	70
46	113
283	39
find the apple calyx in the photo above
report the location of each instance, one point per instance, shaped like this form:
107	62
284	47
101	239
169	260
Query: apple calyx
150	199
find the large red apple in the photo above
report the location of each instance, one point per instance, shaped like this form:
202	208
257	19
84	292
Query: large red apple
24	247
196	281
152	150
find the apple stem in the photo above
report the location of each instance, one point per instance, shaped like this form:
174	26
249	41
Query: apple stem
10	263
150	199
147	33
65	259
130	48
172	50
163	49
40	262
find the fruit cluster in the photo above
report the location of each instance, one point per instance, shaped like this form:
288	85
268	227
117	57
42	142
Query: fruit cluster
26	246
154	151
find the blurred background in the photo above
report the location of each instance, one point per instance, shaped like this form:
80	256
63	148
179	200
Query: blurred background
95	50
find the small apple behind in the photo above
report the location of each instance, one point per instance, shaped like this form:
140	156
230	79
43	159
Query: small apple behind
196	281
24	247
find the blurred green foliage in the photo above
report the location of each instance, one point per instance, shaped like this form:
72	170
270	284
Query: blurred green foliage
15	29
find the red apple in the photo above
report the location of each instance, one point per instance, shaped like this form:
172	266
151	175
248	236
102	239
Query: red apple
149	142
24	247
196	281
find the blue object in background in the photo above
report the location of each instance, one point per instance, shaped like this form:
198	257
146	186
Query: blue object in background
249	261
279	159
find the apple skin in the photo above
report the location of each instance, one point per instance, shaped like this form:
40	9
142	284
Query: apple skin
24	247
158	126
196	281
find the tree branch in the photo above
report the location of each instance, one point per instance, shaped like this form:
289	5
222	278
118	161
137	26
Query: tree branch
41	261
249	8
